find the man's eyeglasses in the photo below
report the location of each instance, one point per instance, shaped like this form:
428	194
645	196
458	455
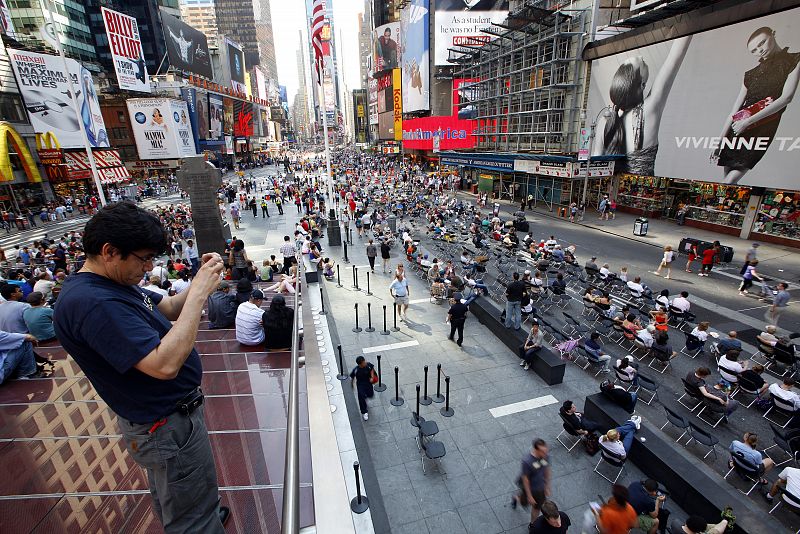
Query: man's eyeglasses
147	259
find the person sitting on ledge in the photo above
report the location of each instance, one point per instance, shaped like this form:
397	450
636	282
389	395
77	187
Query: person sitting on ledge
577	420
619	440
249	327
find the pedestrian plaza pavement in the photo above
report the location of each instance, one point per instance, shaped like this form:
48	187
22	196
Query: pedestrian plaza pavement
483	451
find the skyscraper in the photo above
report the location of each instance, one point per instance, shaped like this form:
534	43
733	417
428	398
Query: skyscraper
364	48
236	20
202	16
266	42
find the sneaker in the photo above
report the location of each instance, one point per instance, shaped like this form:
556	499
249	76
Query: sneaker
526	366
366	417
637	420
521	363
768	497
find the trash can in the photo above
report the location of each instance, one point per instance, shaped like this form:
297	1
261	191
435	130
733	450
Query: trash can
392	223
640	226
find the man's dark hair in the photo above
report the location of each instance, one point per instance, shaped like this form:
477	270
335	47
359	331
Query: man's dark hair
35	298
286	238
594	336
650	485
7	290
732	355
126	227
515	276
696	524
539	442
684	294
359	360
549	510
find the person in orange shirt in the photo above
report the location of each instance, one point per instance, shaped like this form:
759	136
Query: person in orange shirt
616	516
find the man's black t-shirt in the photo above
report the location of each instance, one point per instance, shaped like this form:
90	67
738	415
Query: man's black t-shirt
541	526
458	312
515	290
108	328
385	251
642	502
362	375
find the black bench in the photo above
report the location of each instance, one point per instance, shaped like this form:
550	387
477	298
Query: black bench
547	365
691	483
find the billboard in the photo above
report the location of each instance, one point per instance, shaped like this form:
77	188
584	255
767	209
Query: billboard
415	57
227	112
126	51
189	95
372	100
386	47
465	92
459	24
202	115
187	48
360	115
215	116
261	84
236	65
397	105
45	88
242	118
386	126
715	106
6	24
452	133
161	128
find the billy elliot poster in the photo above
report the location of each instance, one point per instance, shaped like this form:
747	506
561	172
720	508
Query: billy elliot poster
126	51
714	106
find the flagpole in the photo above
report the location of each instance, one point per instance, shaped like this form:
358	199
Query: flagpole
324	113
72	93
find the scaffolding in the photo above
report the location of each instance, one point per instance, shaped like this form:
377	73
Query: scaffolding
528	83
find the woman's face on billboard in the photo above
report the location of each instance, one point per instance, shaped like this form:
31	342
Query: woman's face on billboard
762	44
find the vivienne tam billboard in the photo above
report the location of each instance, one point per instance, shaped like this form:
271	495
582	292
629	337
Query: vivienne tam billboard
453	133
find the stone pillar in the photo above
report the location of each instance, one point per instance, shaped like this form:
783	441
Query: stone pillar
201	180
750	213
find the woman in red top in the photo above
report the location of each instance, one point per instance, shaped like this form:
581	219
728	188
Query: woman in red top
617	516
692	257
709	258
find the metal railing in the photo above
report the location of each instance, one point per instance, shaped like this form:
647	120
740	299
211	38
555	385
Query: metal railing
290	515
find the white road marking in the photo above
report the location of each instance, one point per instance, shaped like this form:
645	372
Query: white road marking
419	301
391	346
522	406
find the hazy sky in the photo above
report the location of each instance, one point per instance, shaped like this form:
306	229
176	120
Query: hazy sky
288	16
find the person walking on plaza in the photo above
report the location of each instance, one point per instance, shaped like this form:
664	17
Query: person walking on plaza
666	262
362	377
457	316
235	214
710	256
385	254
253	206
142	364
750	257
534	480
779	304
514	293
748	276
372	253
399	291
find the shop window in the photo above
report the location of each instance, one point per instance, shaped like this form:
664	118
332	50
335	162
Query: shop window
778	214
11	108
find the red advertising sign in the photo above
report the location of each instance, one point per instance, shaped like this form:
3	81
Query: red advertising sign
452	133
385	81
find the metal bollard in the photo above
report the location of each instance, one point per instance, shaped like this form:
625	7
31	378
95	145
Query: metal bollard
438	397
426	400
338	277
357	328
359	504
369	293
341	375
322	300
345	254
416	420
369	317
397	400
384	332
447	411
380	386
355	277
394	328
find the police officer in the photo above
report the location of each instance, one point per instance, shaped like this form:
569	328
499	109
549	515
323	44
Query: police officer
457	316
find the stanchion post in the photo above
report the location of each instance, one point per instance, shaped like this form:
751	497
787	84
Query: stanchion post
357	328
369	293
322	300
345	254
416	420
369	317
338	277
426	400
384	332
380	386
355	279
397	400
394	310
341	375
447	411
359	504
438	397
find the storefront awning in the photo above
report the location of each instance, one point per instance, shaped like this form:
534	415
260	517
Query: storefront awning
108	162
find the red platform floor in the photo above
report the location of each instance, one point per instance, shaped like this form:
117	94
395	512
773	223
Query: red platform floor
64	469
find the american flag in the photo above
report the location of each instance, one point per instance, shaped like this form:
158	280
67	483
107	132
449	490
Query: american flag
317	23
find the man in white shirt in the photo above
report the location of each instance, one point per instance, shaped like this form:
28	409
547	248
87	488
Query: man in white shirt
190	253
682	302
154	285
784	391
646	335
636	285
249	325
729	366
160	271
788	479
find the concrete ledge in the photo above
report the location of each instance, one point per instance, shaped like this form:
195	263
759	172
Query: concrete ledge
692	485
547	365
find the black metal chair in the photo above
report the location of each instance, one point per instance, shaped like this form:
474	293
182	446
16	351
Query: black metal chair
613	459
693	346
782	442
591	361
659	356
748	387
713	411
624	380
569	430
783	361
692	392
432	450
746	470
650	386
783	408
676	420
704	438
639	350
792	502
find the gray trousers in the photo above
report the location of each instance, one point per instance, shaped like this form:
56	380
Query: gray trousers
181	471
